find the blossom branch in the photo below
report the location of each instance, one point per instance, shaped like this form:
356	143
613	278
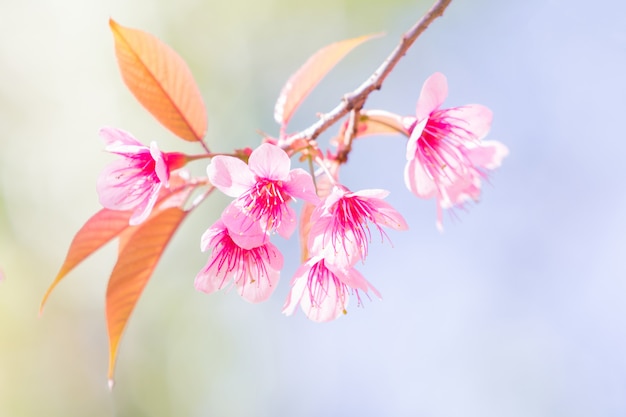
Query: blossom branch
345	146
356	99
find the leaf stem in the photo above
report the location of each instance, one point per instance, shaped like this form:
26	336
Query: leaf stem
204	146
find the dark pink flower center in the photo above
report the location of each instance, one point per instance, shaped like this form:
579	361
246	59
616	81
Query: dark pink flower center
245	263
138	179
145	164
350	224
266	200
318	283
442	147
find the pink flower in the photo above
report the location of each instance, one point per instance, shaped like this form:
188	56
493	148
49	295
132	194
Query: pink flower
255	272
262	189
133	183
323	290
341	231
446	158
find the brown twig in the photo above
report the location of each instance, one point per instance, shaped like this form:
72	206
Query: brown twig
356	99
345	144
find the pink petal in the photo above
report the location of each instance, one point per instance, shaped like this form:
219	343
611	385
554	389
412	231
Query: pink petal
300	185
460	191
230	175
265	280
274	258
288	222
411	146
418	181
336	194
439	222
408	122
298	287
488	155
243	230
210	279
214	276
160	167
320	244
122	143
474	118
114	136
388	216
206	241
269	161
112	191
255	272
257	293
353	279
371	194
434	92
331	307
143	210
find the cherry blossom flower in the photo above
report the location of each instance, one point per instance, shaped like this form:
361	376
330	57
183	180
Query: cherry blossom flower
255	272
323	290
133	183
446	157
262	189
341	231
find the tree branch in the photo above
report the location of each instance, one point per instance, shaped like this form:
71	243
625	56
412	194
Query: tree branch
356	99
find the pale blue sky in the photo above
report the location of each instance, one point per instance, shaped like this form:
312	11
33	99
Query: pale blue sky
517	309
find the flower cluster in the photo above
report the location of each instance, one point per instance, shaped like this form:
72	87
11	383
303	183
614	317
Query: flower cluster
262	191
447	160
147	193
134	182
446	157
339	237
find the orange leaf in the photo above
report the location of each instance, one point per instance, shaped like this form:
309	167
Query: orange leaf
136	262
376	122
161	81
379	122
309	75
97	231
173	196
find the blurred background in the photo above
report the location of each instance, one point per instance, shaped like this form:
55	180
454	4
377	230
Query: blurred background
517	309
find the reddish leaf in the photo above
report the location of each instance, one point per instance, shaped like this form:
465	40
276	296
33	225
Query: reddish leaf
174	196
161	81
97	231
379	122
135	264
309	75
